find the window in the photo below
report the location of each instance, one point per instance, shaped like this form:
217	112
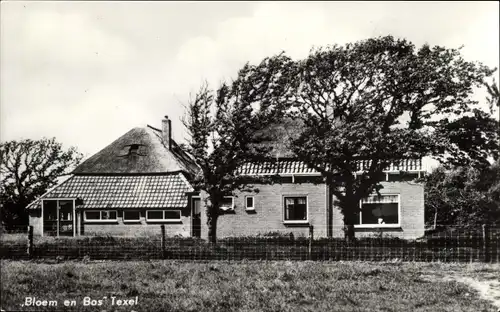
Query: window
163	215
379	211
66	210
100	215
249	203
227	203
295	209
131	215
65	216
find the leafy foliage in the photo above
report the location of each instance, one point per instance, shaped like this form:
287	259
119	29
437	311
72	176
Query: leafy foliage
28	168
382	100
224	128
464	196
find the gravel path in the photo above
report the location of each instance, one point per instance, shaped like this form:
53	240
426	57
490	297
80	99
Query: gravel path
489	289
486	284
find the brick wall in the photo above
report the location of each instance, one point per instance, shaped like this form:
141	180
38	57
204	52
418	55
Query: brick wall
411	208
268	214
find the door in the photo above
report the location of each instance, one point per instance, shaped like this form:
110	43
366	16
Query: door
58	217
196	216
50	217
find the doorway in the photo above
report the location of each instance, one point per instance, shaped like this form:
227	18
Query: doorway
58	217
196	216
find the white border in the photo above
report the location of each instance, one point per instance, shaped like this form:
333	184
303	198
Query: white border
232	203
253	202
163	212
131	221
306	221
374	226
100	220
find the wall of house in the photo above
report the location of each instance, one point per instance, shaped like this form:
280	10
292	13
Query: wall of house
412	213
138	228
268	214
35	220
121	228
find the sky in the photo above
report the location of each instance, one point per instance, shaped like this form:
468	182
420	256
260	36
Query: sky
88	72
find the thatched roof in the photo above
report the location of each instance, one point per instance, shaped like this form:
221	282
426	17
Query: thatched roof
278	137
140	151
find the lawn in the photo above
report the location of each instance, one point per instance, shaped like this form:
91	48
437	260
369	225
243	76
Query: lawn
240	286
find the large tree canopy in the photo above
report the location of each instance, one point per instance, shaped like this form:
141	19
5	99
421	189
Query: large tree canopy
224	134
381	100
28	168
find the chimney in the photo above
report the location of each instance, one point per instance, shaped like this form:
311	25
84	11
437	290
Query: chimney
166	128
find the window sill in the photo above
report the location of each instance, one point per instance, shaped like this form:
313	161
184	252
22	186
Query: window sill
164	221
297	222
101	221
131	221
377	226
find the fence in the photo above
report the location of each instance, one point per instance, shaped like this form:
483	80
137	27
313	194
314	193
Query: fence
452	244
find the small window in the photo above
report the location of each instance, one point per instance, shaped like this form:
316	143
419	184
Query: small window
155	215
295	209
131	215
227	203
163	215
100	215
172	215
249	203
379	211
133	149
92	215
65	216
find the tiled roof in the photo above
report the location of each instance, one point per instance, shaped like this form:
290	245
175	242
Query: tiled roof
402	165
275	167
125	191
290	166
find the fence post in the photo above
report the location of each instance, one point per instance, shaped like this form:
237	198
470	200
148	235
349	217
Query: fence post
486	243
162	241
30	241
311	237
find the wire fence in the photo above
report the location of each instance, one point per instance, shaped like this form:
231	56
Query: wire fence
446	244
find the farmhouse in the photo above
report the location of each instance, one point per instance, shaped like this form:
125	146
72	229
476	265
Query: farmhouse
128	188
302	199
142	180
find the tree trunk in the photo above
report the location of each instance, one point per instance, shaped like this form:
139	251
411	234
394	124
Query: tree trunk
350	218
212	227
349	233
435	219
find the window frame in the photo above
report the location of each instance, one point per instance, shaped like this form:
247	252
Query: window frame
253	202
392	225
163	212
283	202
130	221
231	208
100	216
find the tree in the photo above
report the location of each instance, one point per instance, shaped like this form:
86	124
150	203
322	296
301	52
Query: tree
493	97
380	101
463	196
28	169
224	134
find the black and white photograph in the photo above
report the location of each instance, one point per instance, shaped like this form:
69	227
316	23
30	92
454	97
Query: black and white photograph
249	156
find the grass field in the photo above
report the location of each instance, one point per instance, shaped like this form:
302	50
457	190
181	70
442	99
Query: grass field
241	286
